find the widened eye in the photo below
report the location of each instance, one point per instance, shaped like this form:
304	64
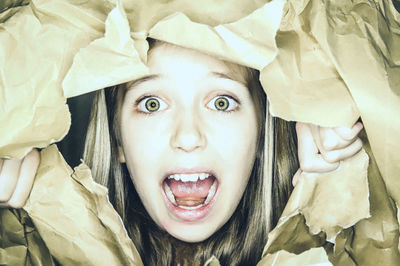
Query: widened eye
151	104
223	103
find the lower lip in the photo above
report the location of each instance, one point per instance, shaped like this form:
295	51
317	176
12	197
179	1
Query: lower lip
190	215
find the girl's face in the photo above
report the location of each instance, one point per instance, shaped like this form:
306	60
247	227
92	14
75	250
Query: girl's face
189	133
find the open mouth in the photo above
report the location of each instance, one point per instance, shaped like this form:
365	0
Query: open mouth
190	195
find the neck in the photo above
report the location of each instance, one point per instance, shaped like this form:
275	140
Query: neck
184	253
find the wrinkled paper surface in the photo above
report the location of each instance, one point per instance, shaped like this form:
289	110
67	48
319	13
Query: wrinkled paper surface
313	256
325	62
74	217
20	242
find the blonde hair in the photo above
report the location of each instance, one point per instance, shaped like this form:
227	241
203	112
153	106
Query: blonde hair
246	231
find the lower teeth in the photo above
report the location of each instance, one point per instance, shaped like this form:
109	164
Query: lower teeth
169	194
211	192
210	195
191	208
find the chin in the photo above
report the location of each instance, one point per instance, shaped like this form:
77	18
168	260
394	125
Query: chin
192	233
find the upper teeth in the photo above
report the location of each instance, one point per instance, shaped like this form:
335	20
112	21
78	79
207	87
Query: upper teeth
190	177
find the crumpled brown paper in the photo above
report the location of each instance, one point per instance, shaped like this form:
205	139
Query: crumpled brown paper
312	216
317	199
33	61
313	256
213	261
341	57
348	52
121	62
10	7
74	216
117	60
370	241
20	243
248	41
326	62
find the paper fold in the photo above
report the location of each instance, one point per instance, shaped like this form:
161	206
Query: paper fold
248	41
107	61
74	217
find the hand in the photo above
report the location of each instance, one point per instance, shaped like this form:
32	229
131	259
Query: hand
320	149
16	179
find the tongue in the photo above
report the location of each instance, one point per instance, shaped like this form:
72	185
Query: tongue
190	193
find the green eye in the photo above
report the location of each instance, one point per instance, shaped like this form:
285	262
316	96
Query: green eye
152	104
221	103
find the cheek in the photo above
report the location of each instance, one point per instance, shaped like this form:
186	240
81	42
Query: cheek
235	139
143	143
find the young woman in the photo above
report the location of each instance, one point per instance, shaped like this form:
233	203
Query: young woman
183	151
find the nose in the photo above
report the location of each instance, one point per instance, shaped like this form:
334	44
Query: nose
188	133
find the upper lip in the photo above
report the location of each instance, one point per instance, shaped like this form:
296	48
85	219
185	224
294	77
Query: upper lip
195	170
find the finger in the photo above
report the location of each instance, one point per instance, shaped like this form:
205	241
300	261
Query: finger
315	131
296	177
342	154
25	181
349	133
8	178
331	140
309	158
305	141
319	165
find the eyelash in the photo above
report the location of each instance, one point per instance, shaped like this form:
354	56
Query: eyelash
230	97
142	98
146	96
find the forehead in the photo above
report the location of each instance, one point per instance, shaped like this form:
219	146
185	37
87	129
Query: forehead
170	60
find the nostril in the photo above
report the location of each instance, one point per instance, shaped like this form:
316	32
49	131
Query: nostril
189	143
188	140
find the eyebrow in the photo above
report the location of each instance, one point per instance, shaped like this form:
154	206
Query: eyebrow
227	76
138	81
